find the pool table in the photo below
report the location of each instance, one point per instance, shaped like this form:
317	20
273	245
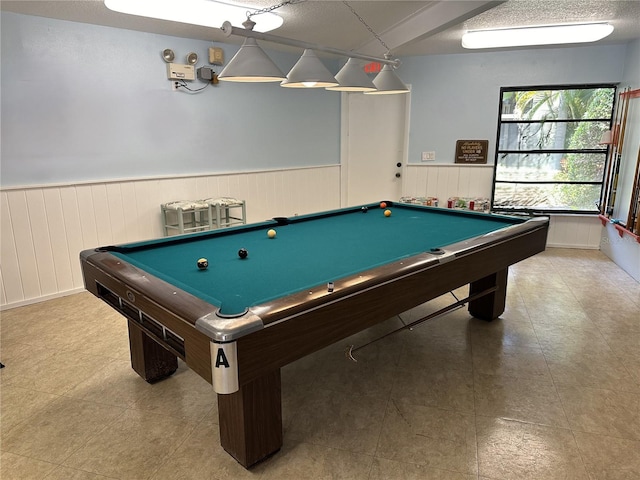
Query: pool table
322	278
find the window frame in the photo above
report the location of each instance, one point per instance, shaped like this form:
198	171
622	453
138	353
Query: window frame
498	152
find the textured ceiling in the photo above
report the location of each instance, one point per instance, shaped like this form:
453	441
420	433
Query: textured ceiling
407	27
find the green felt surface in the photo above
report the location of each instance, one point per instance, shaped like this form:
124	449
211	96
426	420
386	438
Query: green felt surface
308	252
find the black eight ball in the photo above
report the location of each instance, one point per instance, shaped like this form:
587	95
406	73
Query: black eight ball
364	209
242	253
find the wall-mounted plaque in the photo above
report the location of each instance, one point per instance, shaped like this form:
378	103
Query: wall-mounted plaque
471	151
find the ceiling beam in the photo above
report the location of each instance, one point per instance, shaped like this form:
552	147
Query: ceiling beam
434	18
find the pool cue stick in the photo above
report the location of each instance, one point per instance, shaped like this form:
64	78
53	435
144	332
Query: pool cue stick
610	156
613	152
633	219
618	157
637	229
409	326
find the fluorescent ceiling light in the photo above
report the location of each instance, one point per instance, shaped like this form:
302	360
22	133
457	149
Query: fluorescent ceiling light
207	13
538	35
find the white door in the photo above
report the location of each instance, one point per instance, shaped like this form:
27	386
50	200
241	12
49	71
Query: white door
374	142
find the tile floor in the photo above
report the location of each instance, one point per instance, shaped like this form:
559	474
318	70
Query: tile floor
551	390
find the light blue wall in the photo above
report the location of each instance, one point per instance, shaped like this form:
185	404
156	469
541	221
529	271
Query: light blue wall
455	97
84	102
632	64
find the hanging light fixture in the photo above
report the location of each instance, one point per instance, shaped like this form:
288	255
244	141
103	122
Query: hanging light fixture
251	63
351	78
309	72
387	82
229	30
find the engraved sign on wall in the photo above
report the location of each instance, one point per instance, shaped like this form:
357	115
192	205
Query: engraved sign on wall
471	151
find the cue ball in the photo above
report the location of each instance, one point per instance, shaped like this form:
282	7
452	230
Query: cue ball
271	233
383	205
387	213
242	253
364	209
203	263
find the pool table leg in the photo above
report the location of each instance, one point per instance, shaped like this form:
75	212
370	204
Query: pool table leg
151	361
251	420
492	305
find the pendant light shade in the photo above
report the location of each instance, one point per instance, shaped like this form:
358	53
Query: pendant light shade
251	64
387	82
351	78
309	72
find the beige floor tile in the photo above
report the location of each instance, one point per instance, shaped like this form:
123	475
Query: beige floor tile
632	364
110	341
616	300
424	351
133	447
502	331
58	373
17	467
547	304
572	317
339	420
304	461
587	370
201	457
66	473
63	322
519	399
436	385
116	384
298	380
631	289
508	361
609	458
616	322
372	372
366	377
566	339
183	395
389	470
429	436
59	429
545	281
18	357
606	412
514	450
623	345
19	404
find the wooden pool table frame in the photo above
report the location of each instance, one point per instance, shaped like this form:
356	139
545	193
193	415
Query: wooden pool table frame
163	321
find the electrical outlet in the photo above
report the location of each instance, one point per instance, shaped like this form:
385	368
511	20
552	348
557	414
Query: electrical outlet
175	85
428	156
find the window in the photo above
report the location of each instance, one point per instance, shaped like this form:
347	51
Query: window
548	157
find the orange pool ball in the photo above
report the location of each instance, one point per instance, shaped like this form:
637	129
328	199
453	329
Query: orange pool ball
383	205
387	213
